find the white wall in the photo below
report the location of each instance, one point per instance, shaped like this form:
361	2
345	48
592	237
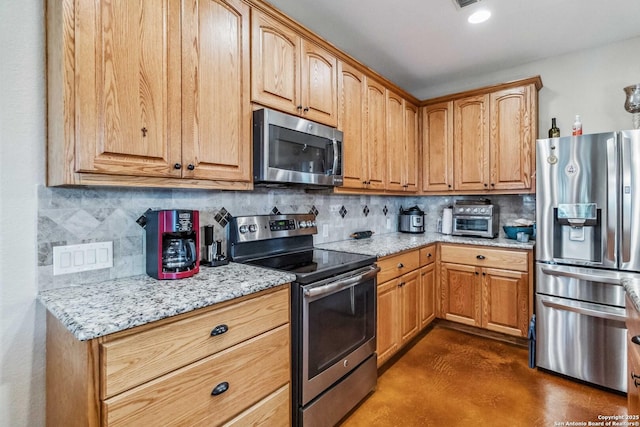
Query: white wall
22	136
588	83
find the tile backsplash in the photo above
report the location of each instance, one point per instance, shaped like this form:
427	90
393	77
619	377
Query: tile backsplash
69	216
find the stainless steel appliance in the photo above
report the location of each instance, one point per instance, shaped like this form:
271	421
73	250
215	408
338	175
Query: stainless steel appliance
477	218
588	238
172	243
411	220
333	313
289	150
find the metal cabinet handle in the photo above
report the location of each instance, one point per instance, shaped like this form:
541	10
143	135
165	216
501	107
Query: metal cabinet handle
401	284
177	166
219	330
299	107
191	166
220	388
429	255
480	257
400	265
636	340
306	109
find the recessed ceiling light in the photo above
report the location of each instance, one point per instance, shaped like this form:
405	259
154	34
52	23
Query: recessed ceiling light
479	16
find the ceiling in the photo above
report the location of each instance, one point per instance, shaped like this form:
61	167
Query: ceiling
422	44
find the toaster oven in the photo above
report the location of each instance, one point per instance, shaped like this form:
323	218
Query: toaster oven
475	218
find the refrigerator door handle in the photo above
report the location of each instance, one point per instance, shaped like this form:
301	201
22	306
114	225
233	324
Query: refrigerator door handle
625	243
612	199
588	276
587	309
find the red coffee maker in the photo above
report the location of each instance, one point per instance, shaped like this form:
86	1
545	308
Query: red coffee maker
173	243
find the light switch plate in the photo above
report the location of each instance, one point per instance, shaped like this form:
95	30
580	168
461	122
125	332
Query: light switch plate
84	257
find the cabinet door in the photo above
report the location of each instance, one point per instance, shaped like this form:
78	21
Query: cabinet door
351	85
274	64
409	298
512	138
216	131
437	147
505	301
461	294
127	58
427	295
319	84
395	141
471	143
411	150
387	333
375	135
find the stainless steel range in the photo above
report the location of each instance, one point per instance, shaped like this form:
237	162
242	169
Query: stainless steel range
333	313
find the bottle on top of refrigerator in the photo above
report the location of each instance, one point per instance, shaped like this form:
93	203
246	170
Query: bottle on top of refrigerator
577	126
554	132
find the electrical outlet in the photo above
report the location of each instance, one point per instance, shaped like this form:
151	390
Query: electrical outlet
325	230
84	257
388	223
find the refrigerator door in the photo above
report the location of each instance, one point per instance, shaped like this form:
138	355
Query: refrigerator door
576	200
630	200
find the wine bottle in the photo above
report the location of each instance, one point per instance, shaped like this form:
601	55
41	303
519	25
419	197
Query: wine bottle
554	132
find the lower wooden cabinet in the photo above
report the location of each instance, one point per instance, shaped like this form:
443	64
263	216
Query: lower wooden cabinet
406	302
486	287
176	372
633	357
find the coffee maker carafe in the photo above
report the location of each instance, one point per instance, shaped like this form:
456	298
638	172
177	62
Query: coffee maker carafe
173	243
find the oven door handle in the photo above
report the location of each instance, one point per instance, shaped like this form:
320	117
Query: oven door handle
585	309
339	285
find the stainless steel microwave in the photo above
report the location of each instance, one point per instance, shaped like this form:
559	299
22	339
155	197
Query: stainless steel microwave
289	150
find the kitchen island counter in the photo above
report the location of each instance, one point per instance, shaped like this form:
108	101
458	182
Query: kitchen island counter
632	288
93	310
382	245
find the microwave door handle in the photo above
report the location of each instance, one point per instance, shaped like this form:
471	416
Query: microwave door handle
335	156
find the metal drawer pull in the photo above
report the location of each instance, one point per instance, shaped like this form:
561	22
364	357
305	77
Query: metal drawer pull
480	257
636	340
400	265
219	330
220	388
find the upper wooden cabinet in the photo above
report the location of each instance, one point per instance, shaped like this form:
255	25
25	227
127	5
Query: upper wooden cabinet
292	74
148	94
437	147
402	148
481	141
351	109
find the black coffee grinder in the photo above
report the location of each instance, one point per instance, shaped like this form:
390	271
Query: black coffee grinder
173	243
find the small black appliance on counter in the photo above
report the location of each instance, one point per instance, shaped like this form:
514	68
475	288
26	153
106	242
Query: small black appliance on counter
173	243
212	256
411	220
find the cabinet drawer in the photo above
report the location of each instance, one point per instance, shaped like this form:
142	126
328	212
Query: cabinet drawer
252	370
484	257
397	265
272	411
137	358
427	255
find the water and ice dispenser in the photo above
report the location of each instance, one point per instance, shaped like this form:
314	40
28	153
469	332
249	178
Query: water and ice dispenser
577	232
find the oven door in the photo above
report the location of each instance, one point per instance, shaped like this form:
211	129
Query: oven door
338	328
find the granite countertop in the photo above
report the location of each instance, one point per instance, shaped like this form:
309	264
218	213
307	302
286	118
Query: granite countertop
93	310
632	287
381	245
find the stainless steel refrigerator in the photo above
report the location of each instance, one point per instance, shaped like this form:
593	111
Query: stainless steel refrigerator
588	237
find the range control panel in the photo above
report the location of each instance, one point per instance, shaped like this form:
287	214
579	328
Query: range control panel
264	227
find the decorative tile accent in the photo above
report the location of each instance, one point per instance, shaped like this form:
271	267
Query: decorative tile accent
365	211
385	210
223	217
343	211
314	211
275	211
